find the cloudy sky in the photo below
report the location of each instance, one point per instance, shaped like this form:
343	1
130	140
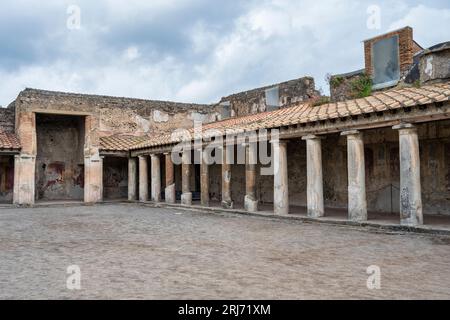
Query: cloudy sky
194	50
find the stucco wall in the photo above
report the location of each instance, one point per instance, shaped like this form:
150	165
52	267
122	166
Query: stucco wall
60	158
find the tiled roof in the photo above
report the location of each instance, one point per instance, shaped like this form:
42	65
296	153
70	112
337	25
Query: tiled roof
306	113
120	142
9	141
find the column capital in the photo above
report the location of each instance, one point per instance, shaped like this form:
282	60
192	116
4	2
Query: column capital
142	157
403	126
351	133
312	137
280	142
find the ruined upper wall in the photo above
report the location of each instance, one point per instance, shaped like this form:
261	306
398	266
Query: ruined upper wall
254	101
118	115
7	119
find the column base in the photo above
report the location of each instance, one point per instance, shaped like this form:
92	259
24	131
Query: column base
186	199
250	204
411	222
169	193
315	214
228	204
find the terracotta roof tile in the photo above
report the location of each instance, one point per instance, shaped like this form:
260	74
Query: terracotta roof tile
120	142
305	112
9	141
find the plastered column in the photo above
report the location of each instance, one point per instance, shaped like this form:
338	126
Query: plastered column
24	175
357	203
156	178
132	179
170	179
186	197
314	176
25	163
93	162
143	179
251	156
227	202
204	179
93	184
281	191
410	187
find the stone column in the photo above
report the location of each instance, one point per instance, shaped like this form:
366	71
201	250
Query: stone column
357	203
314	176
251	156
281	182
186	197
156	178
132	179
204	179
143	179
410	188
170	180
227	202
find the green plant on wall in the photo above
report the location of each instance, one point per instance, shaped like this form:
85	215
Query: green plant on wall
336	81
361	86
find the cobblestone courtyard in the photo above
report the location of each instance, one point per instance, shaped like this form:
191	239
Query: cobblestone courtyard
129	251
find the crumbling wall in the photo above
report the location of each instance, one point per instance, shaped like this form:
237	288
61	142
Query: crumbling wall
60	157
7	119
254	101
6	178
115	178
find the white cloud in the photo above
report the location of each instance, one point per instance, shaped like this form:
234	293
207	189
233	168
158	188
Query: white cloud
118	51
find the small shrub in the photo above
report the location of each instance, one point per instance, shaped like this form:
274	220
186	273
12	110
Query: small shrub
362	86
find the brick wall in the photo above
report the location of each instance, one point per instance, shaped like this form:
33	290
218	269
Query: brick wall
407	48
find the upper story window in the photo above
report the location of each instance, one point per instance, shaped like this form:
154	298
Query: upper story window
273	98
385	62
226	111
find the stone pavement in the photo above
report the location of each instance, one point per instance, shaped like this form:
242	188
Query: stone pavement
127	251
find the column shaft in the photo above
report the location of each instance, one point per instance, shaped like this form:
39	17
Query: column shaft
410	188
227	202
314	176
251	156
281	182
132	179
143	179
186	197
156	178
357	203
170	180
204	179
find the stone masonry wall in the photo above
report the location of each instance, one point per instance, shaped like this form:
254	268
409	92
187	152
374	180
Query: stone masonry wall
254	101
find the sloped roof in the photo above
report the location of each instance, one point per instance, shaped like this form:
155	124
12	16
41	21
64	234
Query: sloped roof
306	113
120	142
9	141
